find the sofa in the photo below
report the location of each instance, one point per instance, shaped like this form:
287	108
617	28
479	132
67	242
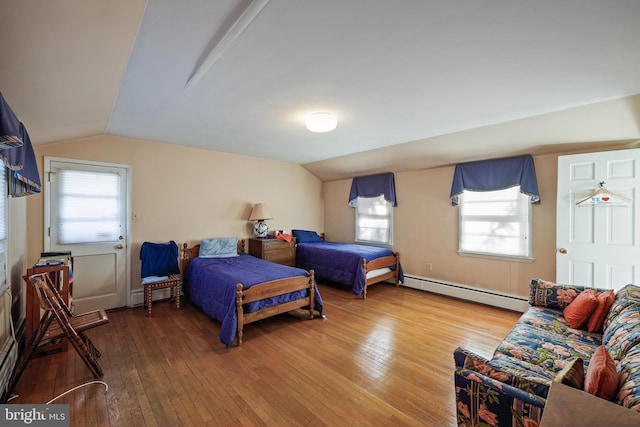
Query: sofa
563	336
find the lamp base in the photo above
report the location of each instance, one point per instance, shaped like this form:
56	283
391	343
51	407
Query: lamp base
261	229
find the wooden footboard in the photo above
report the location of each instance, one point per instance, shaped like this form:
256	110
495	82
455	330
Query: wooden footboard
262	291
388	261
272	289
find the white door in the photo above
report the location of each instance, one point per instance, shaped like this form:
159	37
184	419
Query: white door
86	207
598	245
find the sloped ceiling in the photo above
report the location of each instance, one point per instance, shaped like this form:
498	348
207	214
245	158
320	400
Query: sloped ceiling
414	84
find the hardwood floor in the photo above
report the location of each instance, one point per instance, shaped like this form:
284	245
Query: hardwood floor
386	360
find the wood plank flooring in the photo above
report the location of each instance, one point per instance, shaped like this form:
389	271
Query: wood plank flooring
386	360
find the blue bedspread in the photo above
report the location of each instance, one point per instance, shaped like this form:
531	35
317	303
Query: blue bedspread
340	262
211	285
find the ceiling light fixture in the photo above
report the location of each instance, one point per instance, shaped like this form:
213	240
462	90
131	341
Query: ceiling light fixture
321	122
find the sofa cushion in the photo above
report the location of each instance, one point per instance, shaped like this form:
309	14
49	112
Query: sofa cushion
530	345
605	301
572	374
579	310
623	332
628	295
602	376
543	293
629	386
553	321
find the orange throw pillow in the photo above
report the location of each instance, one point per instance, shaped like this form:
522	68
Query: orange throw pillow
602	377
578	311
605	301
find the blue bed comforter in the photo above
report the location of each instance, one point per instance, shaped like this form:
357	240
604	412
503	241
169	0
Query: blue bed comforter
211	285
340	262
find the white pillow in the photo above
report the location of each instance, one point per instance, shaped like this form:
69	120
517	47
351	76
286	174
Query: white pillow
223	247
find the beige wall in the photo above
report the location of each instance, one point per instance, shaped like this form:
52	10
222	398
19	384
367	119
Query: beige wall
187	194
426	230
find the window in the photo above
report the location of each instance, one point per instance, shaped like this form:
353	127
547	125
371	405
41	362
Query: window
374	220
89	206
495	223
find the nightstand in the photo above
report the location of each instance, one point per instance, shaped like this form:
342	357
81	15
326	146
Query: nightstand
274	250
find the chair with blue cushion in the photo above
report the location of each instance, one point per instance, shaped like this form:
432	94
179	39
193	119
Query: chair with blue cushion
160	270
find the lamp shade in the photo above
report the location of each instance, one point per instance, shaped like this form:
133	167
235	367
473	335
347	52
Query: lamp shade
260	212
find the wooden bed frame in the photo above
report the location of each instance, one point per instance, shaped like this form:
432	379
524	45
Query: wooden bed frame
262	291
375	264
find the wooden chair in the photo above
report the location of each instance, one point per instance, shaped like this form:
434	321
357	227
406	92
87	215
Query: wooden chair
58	322
160	270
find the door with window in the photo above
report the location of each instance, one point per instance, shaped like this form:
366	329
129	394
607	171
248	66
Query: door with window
598	243
86	213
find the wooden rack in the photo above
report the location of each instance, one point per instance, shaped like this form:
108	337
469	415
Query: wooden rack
60	277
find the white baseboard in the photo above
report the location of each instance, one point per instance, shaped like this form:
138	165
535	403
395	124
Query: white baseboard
469	293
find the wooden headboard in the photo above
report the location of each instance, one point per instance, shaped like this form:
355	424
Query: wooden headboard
188	253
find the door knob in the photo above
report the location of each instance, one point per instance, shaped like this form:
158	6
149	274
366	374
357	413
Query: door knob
120	246
562	250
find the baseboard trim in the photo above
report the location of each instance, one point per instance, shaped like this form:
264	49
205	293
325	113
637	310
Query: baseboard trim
469	293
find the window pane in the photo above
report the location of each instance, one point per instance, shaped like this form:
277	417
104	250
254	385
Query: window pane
373	220
495	222
89	206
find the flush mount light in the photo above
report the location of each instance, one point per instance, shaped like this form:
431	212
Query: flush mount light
321	122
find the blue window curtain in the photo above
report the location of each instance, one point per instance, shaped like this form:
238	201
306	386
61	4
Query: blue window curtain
494	175
17	154
374	186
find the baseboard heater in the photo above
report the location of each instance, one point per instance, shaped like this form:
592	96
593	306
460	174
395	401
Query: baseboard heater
468	293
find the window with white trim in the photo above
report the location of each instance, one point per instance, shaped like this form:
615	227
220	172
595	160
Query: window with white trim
374	220
495	223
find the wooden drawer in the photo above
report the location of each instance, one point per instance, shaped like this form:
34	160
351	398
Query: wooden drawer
276	245
274	250
285	256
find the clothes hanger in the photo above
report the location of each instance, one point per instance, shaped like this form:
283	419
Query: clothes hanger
604	197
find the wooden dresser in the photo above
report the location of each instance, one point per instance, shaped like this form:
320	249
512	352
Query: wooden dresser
274	250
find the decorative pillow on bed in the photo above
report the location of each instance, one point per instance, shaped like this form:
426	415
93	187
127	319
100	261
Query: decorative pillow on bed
223	247
306	236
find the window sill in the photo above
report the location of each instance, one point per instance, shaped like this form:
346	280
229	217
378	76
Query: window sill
376	244
497	257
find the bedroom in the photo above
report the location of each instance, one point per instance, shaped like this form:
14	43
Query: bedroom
193	204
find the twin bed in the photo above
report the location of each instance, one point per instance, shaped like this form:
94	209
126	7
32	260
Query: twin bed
236	288
357	266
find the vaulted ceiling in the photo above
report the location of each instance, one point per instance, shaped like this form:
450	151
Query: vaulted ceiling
414	83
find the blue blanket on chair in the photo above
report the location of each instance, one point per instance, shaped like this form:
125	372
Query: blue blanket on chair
159	259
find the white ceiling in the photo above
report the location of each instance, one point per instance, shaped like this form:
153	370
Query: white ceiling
414	83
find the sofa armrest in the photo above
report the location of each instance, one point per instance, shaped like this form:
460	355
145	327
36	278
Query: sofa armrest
481	400
516	377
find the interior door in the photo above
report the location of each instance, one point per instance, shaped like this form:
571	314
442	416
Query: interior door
86	213
598	244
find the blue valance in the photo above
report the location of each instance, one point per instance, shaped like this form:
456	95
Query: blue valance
374	186
493	175
17	154
9	126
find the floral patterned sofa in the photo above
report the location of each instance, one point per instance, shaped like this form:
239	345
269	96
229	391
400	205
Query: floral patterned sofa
511	388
